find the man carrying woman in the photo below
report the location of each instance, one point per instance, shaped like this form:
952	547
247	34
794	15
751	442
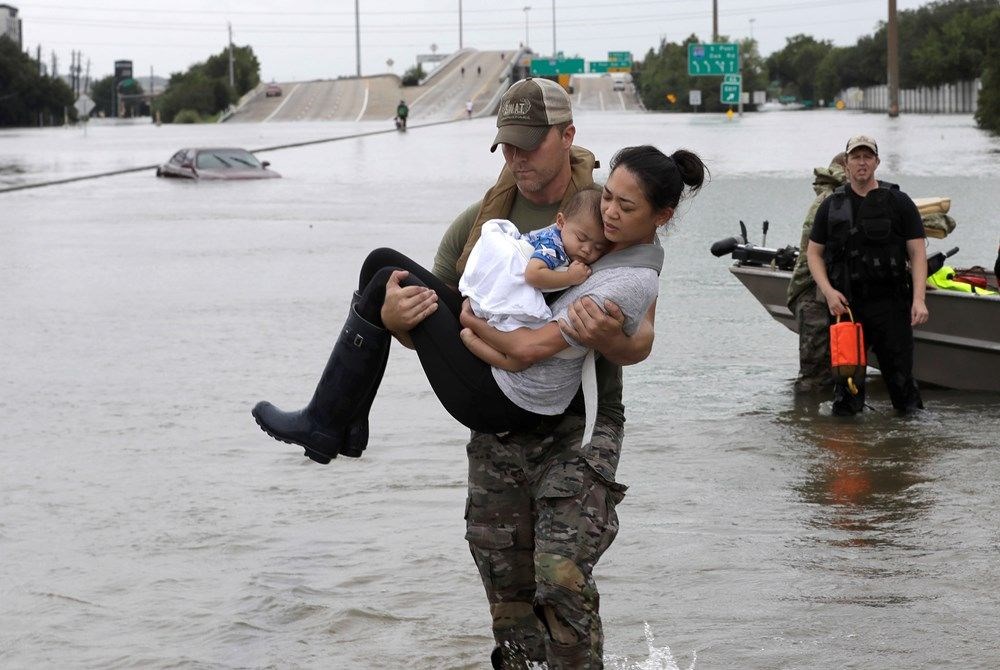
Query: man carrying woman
541	507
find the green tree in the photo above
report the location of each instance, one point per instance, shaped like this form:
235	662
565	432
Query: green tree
26	97
988	109
204	89
664	72
414	75
246	68
794	67
102	92
754	66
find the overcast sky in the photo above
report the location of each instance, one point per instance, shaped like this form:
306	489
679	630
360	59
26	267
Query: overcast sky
315	39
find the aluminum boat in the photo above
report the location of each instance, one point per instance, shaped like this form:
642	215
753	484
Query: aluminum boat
958	347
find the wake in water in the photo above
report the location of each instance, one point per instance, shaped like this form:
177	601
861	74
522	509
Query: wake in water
660	658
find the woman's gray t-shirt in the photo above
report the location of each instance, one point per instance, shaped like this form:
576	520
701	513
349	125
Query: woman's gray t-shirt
548	386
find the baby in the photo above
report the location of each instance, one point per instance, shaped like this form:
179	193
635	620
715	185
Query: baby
507	271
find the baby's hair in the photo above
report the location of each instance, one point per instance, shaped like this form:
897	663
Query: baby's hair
586	202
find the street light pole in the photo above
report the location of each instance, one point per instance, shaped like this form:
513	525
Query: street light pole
555	53
751	28
892	60
526	10
459	24
357	35
232	78
715	20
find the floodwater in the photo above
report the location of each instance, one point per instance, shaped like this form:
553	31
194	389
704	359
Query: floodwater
146	522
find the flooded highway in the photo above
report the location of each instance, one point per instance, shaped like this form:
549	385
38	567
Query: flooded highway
146	522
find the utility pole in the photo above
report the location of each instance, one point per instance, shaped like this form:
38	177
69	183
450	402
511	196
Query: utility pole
232	77
55	65
459	24
152	86
892	61
86	80
357	35
715	21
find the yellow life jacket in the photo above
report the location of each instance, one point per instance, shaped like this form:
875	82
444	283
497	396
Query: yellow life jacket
945	279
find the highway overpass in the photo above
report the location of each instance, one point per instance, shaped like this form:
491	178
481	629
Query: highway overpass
468	74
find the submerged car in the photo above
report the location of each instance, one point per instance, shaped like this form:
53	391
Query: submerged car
220	163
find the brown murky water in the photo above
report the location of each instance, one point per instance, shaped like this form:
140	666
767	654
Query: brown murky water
146	522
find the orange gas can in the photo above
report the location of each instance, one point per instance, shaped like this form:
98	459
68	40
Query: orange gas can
847	350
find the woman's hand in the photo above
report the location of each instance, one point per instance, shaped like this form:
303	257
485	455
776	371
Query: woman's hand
406	306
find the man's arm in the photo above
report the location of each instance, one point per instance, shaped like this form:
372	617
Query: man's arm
918	275
835	300
589	325
452	244
406	306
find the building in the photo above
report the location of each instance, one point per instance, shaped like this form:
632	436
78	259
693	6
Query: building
10	25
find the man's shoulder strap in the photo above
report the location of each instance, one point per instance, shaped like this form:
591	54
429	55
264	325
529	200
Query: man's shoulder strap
499	200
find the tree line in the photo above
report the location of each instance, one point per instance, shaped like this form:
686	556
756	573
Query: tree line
27	97
942	42
203	92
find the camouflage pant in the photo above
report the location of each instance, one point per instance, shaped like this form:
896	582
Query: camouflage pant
540	513
813	318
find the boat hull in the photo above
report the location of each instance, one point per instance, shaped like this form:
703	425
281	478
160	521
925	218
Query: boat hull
958	347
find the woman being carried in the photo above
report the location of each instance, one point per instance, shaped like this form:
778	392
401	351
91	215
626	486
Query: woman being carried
517	382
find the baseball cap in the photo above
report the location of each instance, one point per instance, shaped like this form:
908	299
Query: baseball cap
862	141
528	109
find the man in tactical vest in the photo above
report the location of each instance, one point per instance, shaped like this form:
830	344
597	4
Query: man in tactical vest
541	507
866	252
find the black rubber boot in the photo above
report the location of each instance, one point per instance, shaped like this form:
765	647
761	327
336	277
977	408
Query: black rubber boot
351	374
357	432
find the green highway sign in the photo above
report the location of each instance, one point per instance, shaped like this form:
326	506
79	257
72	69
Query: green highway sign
732	79
713	59
620	56
599	65
729	94
548	67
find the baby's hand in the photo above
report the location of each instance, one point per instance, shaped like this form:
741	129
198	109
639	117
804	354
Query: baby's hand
577	273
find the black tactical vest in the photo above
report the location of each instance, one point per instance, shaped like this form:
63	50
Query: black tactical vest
869	253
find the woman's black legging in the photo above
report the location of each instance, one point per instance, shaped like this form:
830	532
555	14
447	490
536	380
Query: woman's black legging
462	382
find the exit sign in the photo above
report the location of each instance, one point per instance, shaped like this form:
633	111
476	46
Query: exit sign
713	59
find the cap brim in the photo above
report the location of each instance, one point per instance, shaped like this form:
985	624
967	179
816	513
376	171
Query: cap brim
522	137
870	147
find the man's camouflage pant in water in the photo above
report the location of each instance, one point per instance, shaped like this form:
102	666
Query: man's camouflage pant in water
540	513
813	318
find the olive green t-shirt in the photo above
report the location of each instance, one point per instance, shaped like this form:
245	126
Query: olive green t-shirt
528	216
